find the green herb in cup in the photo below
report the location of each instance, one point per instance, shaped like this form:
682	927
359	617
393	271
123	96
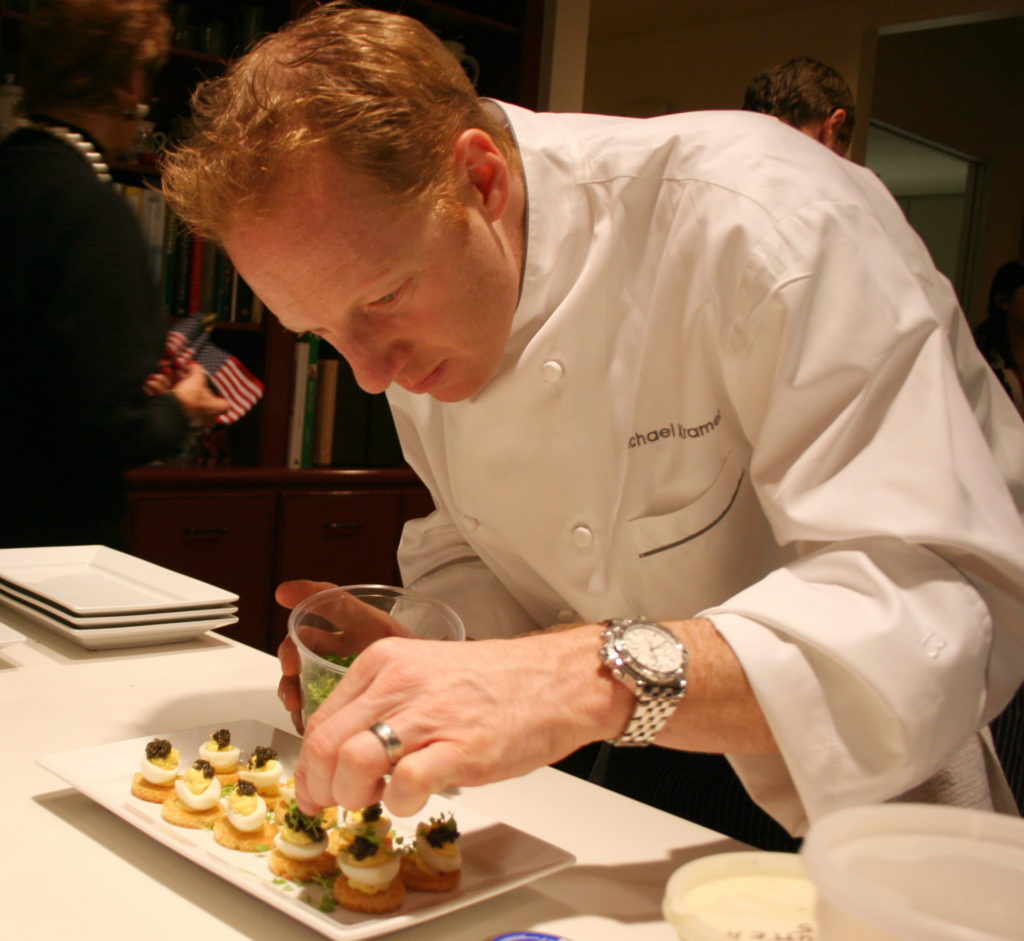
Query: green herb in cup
320	683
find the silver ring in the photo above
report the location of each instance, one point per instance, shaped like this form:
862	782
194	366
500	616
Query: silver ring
391	742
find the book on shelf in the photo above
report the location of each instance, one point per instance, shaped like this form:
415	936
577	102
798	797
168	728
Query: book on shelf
333	422
179	289
351	418
242	302
303	404
326	403
309	411
173	234
154	213
224	290
195	275
382	447
150	210
132	195
363	431
297	410
196	260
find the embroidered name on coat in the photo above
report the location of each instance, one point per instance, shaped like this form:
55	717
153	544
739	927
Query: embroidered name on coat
675	430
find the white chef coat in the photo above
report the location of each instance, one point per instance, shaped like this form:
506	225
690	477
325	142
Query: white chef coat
736	385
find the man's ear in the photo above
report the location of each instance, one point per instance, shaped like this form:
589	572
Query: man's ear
830	129
481	166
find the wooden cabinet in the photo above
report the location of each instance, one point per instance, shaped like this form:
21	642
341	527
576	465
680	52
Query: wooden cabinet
247	530
226	541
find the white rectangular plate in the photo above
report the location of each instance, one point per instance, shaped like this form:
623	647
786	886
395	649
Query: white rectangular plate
106	638
10	636
496	857
115	620
99	580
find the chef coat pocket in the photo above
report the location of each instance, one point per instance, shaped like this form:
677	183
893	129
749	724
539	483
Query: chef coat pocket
653	535
698	555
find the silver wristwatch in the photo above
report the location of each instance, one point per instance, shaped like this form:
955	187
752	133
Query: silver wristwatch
651	661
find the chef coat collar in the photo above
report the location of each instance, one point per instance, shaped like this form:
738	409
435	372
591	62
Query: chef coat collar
547	156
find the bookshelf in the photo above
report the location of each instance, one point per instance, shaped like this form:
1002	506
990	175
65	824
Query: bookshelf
252	518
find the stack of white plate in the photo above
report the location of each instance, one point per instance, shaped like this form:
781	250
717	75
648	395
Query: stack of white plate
98	597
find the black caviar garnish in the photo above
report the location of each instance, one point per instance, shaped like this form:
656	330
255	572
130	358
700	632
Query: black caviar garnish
245	788
201	764
442	832
373	812
222	737
158	748
362	847
296	820
260	756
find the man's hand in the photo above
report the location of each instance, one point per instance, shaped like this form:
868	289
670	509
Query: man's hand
470	714
466	714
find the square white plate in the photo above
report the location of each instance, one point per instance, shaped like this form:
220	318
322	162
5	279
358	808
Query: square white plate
106	638
98	580
114	620
496	857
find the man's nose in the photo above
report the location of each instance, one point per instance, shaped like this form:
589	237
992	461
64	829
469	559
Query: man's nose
374	366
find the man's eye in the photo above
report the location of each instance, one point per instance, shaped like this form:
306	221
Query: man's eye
387	298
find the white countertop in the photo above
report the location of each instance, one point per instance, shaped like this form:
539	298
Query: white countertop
72	869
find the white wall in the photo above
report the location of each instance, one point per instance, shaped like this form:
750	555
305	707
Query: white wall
682	55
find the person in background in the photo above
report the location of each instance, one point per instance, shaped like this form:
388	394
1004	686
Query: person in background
82	330
808	95
712	450
1000	336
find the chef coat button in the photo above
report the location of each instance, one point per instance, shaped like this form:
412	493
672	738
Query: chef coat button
582	537
552	370
471	522
566	615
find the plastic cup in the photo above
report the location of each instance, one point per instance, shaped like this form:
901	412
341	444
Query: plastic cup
330	629
917	872
747	894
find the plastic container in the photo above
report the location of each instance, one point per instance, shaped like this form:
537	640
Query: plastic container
329	629
744	895
527	936
917	872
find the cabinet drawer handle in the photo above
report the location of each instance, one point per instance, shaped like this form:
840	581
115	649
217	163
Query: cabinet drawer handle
210	531
343	530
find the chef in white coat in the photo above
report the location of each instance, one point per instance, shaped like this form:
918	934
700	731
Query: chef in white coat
689	386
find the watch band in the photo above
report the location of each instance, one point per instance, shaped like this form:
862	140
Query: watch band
655	701
653	707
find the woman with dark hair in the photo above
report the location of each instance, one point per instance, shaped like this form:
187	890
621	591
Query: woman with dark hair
1000	336
78	305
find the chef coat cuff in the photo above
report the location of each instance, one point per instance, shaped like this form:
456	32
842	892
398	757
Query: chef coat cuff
768	778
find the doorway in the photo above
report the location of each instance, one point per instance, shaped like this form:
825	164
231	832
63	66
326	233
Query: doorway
938	189
950	91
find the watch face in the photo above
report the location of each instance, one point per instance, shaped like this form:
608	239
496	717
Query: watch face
652	649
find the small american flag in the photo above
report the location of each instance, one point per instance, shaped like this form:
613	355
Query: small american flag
189	340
